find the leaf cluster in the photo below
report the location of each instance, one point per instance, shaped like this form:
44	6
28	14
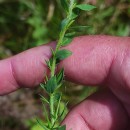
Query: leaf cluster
54	82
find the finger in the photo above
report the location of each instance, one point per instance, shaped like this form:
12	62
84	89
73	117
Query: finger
101	111
90	63
93	57
101	59
26	69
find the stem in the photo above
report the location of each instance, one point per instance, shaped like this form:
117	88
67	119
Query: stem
52	74
61	36
52	109
57	48
53	66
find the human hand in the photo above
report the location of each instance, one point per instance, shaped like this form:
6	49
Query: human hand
96	60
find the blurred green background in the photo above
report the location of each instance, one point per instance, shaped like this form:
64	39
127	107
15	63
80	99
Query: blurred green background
29	23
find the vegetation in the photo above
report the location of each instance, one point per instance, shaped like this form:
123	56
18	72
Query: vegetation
28	23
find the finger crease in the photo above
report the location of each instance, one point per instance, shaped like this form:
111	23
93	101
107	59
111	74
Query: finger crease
13	74
106	79
86	123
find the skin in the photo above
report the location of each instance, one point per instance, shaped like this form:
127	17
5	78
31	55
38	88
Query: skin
97	60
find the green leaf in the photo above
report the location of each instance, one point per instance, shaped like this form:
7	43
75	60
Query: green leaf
70	23
85	7
46	115
42	86
63	111
65	5
64	23
44	99
53	53
36	127
42	124
58	106
60	76
62	127
49	63
74	15
51	84
57	97
71	34
76	33
66	41
79	28
63	54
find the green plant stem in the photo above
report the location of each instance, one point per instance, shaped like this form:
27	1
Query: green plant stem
53	73
53	66
61	36
52	109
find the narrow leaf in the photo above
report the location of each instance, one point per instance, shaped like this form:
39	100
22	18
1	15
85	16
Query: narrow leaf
42	124
65	106
52	51
79	28
63	54
71	34
46	115
64	23
58	105
62	127
70	23
57	97
66	41
74	15
74	34
85	7
60	76
42	86
44	99
46	78
49	63
51	85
